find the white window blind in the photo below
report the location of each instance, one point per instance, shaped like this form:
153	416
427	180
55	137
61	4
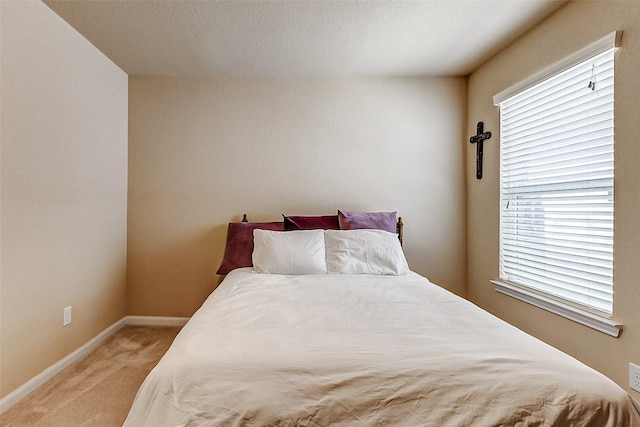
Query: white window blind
556	182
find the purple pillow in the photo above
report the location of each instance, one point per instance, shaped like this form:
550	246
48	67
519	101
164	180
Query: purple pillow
325	222
239	248
368	220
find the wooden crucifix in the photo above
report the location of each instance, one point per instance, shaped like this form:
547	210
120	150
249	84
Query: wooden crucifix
478	139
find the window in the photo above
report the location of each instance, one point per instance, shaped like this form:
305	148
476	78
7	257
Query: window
556	183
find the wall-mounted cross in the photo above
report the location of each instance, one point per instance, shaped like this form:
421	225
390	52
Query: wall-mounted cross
478	139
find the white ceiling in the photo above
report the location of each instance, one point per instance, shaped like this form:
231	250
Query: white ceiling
302	38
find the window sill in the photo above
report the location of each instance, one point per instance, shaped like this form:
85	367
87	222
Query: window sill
583	317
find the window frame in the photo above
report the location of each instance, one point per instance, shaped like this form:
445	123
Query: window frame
594	318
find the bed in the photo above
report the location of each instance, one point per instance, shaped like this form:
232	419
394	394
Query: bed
345	347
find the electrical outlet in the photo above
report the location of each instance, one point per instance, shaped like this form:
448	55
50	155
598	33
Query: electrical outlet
66	318
634	376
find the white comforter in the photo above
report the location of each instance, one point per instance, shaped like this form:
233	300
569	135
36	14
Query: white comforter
365	350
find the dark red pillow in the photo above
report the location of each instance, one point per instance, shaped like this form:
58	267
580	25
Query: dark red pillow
368	220
324	222
239	248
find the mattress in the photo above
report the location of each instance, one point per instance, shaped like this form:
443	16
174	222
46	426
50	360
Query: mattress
351	350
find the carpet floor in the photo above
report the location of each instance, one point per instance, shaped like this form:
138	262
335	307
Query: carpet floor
99	389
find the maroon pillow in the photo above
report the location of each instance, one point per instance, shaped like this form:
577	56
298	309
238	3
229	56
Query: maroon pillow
368	220
325	222
239	248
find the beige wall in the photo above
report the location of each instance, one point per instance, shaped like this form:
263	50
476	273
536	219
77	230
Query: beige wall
64	184
202	151
573	27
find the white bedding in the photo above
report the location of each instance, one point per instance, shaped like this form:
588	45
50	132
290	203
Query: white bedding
328	349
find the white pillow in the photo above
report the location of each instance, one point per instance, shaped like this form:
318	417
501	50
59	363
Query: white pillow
289	252
364	252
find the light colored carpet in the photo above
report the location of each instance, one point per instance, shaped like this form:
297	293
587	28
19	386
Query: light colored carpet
99	389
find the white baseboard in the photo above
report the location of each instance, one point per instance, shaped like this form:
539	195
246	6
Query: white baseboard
156	321
30	386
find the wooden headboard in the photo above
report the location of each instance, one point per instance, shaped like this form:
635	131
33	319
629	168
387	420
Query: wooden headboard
399	226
